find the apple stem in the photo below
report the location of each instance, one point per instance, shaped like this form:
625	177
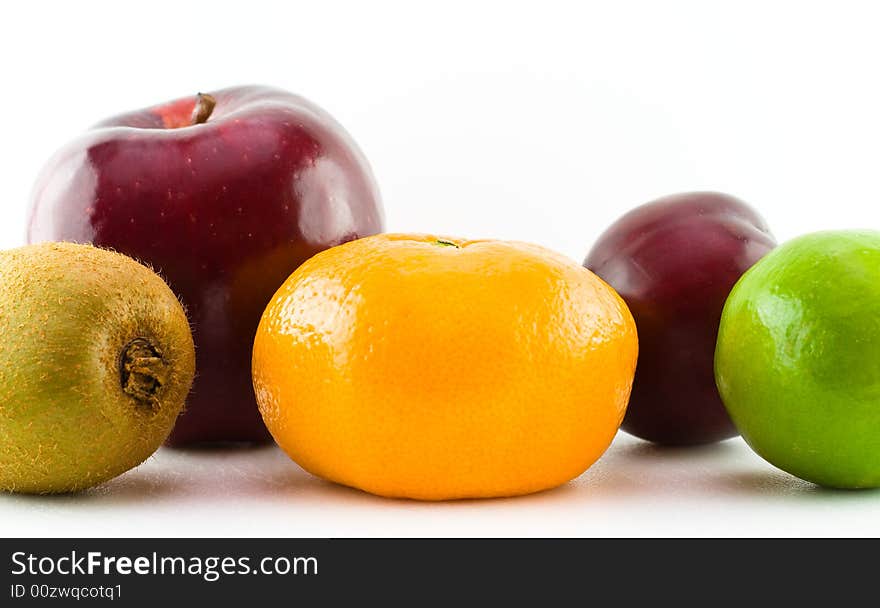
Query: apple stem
143	371
204	106
445	243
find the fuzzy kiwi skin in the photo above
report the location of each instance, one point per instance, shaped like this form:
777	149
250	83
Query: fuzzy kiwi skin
67	314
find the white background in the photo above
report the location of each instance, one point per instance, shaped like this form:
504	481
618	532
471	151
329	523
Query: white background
542	122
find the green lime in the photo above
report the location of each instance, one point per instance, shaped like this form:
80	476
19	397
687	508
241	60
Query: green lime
798	358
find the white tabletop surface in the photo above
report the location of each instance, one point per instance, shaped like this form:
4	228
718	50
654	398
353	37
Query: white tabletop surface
636	489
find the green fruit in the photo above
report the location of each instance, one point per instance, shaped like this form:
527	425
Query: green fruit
96	359
798	358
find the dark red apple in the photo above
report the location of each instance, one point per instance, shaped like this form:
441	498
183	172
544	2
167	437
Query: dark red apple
674	262
225	195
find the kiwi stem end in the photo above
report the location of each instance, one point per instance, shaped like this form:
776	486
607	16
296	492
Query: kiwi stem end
143	371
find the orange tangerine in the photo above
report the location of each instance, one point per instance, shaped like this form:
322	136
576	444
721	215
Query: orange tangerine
437	368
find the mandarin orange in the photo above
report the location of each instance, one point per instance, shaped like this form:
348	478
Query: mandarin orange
437	368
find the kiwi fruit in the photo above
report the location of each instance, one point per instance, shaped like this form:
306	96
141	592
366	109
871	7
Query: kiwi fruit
96	360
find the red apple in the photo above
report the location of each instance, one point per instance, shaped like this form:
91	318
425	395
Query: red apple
225	195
